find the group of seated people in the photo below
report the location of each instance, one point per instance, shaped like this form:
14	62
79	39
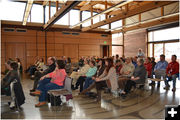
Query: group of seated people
100	73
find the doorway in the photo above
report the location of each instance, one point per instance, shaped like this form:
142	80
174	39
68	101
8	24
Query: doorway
104	50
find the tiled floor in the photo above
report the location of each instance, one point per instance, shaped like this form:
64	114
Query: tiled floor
147	104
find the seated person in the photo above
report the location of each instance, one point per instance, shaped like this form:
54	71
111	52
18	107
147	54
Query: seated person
125	73
138	77
127	68
160	69
109	75
11	84
68	65
148	66
33	66
172	73
134	61
56	81
75	75
39	74
118	67
100	70
92	71
38	67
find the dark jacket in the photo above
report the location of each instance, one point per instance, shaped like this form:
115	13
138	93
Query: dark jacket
10	77
99	71
140	71
50	69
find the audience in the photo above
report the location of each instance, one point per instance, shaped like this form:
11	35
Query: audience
39	74
138	77
172	72
94	72
50	81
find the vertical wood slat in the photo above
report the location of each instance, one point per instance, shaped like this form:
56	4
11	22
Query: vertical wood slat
49	9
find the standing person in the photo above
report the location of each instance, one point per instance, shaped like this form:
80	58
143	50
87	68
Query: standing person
51	67
160	69
172	72
12	81
55	81
138	77
140	53
148	66
109	74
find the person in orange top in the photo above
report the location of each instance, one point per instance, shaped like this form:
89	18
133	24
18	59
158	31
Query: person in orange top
56	82
172	72
148	66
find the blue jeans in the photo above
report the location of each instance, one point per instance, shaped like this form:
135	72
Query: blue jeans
173	78
44	86
32	70
88	82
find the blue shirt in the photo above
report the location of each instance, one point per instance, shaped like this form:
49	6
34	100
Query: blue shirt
161	65
91	72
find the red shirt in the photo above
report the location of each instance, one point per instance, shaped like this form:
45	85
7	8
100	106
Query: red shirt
172	68
58	76
148	67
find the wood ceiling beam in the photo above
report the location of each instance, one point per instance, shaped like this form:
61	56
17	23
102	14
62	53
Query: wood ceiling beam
88	6
129	13
60	13
149	24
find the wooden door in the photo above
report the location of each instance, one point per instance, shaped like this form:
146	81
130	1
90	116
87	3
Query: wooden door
71	50
14	50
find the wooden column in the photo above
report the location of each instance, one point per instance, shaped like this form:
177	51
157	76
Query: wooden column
91	14
80	18
57	5
123	42
49	9
44	14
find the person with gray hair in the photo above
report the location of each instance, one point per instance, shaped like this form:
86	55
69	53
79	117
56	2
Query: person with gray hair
138	77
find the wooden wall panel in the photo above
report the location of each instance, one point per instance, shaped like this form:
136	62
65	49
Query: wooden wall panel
71	50
32	44
134	41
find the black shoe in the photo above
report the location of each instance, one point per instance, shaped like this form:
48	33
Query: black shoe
33	90
75	88
151	84
72	86
123	96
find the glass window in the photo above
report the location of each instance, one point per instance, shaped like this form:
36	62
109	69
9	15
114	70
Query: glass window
158	50
74	17
150	50
64	20
116	24
37	13
46	14
161	35
86	15
11	10
171	49
117	50
117	39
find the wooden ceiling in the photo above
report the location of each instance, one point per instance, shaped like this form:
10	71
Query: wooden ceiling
119	13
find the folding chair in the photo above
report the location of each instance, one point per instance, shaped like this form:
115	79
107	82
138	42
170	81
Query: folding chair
66	91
